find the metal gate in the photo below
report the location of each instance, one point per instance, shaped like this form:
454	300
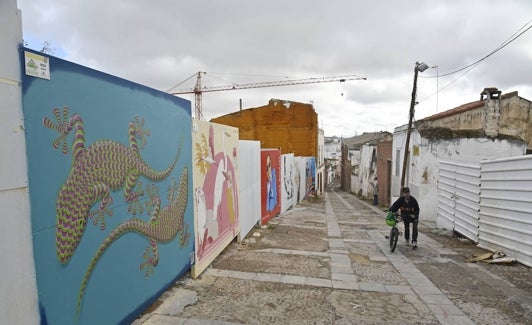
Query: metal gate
506	205
459	197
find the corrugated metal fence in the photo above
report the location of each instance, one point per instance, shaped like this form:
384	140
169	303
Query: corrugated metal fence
459	197
506	207
490	203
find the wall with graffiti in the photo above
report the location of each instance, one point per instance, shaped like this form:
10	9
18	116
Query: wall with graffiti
215	153
249	185
109	167
310	177
288	182
301	171
270	162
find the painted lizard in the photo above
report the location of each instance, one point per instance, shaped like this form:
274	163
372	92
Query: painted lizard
97	169
162	227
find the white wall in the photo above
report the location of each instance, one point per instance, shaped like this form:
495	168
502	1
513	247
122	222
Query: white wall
332	150
398	143
367	170
18	286
321	148
249	192
289	189
301	163
422	172
320	174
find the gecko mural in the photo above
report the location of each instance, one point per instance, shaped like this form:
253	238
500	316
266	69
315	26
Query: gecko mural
99	168
111	210
162	227
96	170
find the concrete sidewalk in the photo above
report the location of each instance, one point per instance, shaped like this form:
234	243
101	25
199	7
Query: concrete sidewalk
329	263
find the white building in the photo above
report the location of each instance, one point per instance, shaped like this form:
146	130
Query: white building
427	148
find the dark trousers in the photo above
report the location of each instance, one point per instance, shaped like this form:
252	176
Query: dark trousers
407	221
375	200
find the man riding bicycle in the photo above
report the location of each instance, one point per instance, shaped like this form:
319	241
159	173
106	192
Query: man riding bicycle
409	212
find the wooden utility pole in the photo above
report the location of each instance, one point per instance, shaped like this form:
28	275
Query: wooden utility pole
419	67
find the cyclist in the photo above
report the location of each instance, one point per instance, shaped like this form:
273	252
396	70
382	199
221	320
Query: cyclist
409	212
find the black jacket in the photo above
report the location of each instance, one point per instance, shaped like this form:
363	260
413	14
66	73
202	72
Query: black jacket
407	208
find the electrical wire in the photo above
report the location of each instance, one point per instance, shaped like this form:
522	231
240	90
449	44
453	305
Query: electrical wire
497	49
473	65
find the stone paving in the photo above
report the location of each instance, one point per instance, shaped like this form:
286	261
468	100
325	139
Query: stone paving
382	287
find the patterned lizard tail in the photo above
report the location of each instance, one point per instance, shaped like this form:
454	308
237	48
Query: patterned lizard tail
158	176
144	228
132	225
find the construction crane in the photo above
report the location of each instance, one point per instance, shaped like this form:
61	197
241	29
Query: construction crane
198	89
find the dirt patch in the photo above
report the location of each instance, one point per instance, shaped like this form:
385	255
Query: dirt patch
484	297
252	261
483	302
288	237
518	274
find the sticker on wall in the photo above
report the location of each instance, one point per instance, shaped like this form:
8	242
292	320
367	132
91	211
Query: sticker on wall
36	65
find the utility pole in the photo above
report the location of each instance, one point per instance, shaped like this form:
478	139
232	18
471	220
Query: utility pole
419	67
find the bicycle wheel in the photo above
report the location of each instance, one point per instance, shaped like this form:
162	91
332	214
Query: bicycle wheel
394	237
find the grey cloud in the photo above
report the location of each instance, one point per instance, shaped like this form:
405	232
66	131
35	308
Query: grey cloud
160	43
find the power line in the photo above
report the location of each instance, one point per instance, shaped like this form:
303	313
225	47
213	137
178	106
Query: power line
497	49
473	65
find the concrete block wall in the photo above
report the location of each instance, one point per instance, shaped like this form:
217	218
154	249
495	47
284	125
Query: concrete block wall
18	286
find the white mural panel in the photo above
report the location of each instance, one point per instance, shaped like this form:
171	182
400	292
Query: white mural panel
301	176
249	186
288	182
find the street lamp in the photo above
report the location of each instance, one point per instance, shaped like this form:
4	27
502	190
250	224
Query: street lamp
420	67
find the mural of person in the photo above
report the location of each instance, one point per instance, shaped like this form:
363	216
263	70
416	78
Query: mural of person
310	181
271	186
288	179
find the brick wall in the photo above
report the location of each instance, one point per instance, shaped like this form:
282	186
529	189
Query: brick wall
384	160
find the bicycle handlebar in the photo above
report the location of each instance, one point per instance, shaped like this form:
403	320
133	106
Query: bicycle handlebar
397	216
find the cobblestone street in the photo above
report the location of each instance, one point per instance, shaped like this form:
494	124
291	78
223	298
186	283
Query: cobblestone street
329	262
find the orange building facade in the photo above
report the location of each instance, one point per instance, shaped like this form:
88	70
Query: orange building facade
290	126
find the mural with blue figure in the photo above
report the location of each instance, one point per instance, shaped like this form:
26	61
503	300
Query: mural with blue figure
270	183
109	167
310	179
271	186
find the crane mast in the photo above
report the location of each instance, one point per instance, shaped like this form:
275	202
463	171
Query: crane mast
198	89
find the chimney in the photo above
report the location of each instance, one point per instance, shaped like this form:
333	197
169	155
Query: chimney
491	98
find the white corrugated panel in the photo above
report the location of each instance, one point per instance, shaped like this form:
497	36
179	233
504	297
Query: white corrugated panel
446	185
467	197
506	207
459	197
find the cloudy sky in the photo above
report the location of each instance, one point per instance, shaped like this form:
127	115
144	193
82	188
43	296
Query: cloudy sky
161	43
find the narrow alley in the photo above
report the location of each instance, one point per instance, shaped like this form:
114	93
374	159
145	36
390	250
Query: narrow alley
328	262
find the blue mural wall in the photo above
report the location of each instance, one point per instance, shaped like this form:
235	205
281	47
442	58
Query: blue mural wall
110	184
310	177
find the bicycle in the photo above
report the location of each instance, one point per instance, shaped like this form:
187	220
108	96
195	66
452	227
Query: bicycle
392	219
